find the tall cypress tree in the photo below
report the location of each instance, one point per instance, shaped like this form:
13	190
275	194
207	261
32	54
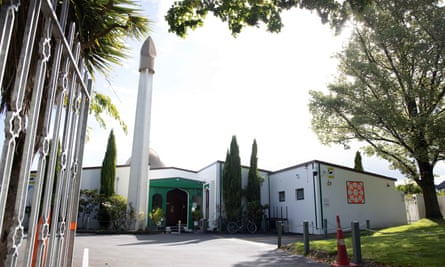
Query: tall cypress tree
253	182
358	161
253	190
108	171
232	182
107	177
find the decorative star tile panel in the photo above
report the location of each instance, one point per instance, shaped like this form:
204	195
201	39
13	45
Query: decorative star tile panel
355	192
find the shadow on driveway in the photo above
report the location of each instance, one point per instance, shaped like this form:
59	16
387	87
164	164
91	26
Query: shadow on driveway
280	258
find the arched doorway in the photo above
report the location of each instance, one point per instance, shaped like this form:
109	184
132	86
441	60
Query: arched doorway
178	198
176	207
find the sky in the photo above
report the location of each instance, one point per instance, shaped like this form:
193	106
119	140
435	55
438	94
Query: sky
210	86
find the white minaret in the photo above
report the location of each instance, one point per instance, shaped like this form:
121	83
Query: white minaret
138	186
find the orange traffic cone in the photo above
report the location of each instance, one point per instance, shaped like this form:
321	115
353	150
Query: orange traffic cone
342	254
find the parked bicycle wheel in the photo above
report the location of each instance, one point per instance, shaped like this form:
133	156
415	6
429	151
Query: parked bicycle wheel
232	227
251	227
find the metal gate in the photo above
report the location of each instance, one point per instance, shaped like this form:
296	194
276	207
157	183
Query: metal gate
45	124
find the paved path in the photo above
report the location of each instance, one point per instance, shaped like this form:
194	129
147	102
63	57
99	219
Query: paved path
186	250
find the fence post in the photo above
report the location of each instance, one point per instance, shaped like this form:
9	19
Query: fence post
368	226
356	246
325	227
279	231
306	237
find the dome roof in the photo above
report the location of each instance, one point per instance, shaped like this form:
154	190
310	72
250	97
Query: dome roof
153	159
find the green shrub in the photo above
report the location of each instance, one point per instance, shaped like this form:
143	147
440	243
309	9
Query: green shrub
156	216
116	206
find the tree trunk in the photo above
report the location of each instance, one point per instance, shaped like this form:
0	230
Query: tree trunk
432	209
9	217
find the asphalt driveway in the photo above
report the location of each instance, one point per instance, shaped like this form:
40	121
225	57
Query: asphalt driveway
189	249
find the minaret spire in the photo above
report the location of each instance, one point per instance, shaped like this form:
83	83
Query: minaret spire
139	166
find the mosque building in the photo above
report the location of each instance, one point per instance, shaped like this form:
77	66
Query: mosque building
313	191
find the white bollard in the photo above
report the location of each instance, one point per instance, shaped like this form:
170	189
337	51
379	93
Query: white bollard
85	258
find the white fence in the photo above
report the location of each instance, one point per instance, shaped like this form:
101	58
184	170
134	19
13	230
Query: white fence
46	90
415	207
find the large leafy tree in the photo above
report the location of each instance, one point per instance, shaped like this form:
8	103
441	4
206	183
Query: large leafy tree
103	27
409	188
390	91
232	182
190	14
404	53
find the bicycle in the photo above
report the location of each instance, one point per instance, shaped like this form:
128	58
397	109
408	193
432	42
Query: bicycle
233	227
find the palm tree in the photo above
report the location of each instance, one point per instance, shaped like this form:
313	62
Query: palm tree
102	29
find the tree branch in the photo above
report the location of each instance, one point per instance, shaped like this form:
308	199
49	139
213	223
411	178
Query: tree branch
107	7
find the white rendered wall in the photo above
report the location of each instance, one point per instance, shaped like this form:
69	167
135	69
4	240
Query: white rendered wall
298	211
122	180
90	178
173	173
210	175
383	204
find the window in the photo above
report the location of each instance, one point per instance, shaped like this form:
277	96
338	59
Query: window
156	201
282	196
299	192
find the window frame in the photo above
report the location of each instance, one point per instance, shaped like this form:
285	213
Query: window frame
299	193
282	196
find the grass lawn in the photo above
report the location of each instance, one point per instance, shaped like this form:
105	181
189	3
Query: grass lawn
418	244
